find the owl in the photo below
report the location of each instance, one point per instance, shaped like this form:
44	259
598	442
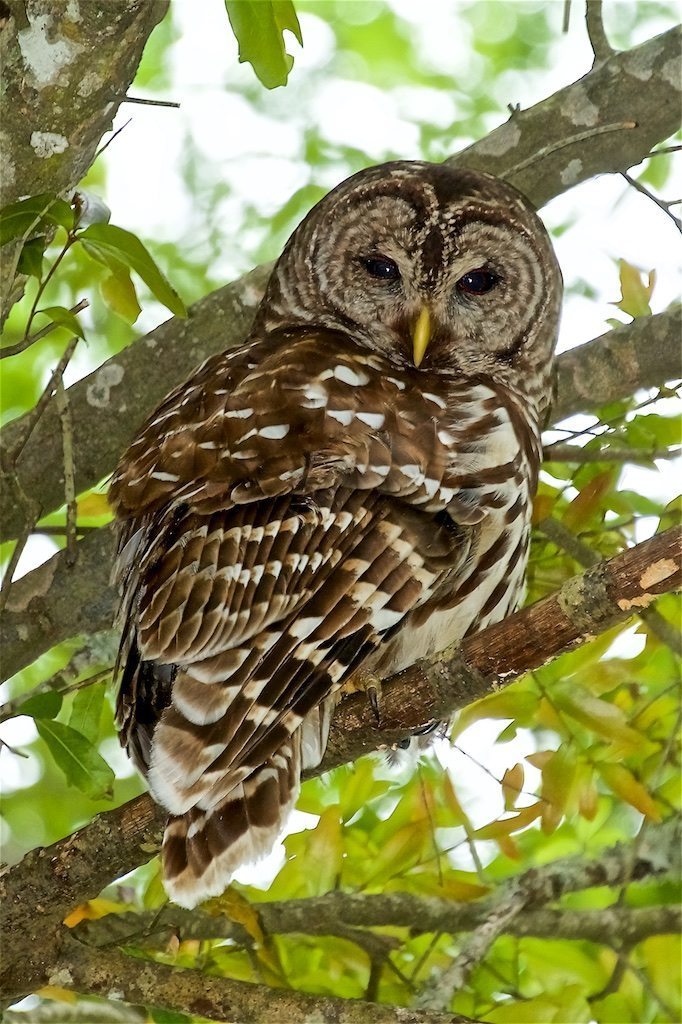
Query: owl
348	490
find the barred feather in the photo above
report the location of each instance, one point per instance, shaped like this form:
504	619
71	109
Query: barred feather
302	506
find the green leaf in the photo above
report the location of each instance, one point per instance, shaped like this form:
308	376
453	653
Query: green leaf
118	291
86	712
115	246
81	763
63	317
258	26
31	257
17	219
43	705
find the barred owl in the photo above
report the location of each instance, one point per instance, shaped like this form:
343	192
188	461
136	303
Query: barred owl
350	487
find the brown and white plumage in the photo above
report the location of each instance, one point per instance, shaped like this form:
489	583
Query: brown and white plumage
314	501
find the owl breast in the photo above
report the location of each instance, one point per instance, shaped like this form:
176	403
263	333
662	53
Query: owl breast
494	450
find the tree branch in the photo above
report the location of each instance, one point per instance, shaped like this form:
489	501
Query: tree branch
220	999
64	73
533	150
328	915
56	601
78	867
601	48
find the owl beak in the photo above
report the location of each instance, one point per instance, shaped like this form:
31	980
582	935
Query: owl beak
421	335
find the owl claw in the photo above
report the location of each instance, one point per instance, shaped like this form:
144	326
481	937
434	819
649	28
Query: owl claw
373	691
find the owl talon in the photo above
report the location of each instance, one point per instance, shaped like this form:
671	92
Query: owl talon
373	692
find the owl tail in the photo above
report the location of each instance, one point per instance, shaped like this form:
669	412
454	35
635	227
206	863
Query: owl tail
203	848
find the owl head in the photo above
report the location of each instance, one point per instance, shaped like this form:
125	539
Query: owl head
439	269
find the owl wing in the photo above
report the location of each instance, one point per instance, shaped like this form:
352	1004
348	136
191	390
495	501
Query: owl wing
272	540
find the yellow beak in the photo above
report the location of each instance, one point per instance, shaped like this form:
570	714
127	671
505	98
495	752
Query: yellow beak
421	335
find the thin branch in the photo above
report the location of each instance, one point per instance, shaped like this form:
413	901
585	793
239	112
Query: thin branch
663	151
562	452
69	473
62	531
30	421
149	103
330	914
17	552
601	48
14	707
566	18
662	204
571	140
13	350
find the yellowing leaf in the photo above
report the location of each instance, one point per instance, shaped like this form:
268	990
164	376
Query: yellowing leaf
514	703
462	892
118	291
91	911
542	507
599	715
457	812
512	784
587	502
505	826
509	847
539	759
60	995
233	905
636	290
623	783
588	799
93	504
557	782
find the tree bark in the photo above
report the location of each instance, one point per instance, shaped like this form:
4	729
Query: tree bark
65	70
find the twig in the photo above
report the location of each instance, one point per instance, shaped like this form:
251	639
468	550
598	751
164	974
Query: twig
38	409
439	993
561	452
61	531
663	151
115	135
29	339
13	707
17	552
660	203
149	103
601	48
69	471
567	16
13	350
554	147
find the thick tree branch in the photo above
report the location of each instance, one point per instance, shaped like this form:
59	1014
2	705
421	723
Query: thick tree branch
643	354
66	69
58	601
77	868
220	999
533	150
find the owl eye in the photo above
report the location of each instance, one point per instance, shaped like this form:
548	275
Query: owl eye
477	282
381	267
